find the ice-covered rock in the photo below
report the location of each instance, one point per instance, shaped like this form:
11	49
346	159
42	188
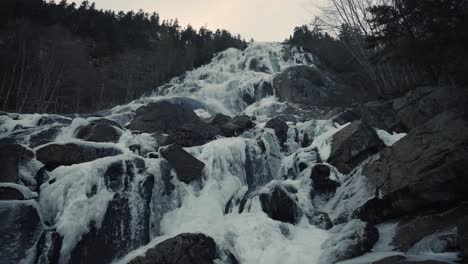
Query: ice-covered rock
348	241
352	145
100	130
177	120
182	249
55	154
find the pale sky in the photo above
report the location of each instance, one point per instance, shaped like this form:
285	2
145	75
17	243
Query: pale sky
263	20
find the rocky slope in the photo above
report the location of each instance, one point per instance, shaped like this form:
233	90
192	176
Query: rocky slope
257	157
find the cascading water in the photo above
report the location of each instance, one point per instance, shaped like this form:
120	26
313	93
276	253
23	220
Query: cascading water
127	203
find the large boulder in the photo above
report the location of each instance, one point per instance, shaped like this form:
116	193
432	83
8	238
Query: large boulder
11	156
126	223
21	227
303	85
279	205
179	121
100	130
182	249
425	169
280	127
321	181
353	144
187	167
348	241
237	126
44	136
55	155
430	226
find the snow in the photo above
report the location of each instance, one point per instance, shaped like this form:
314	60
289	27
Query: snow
387	138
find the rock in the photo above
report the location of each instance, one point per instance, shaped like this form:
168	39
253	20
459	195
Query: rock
380	114
303	85
21	228
48	248
55	155
126	223
237	126
280	127
424	170
390	260
260	90
44	137
182	249
219	119
462	236
348	241
11	156
321	182
278	205
11	191
53	119
424	103
347	116
412	230
178	121
187	167
353	144
100	130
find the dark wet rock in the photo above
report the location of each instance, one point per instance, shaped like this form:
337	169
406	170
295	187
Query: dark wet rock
100	130
44	137
48	248
11	156
390	260
462	236
41	177
347	116
237	126
258	66
126	223
280	127
424	170
349	240
21	227
187	167
380	114
321	182
219	119
54	155
352	145
114	176
185	248
279	205
178	121
166	177
424	103
11	193
304	85
53	119
413	229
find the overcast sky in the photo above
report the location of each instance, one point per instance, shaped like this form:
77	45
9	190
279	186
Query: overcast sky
263	20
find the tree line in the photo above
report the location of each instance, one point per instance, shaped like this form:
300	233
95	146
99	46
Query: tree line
65	58
391	46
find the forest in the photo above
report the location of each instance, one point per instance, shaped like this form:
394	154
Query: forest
390	46
64	58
